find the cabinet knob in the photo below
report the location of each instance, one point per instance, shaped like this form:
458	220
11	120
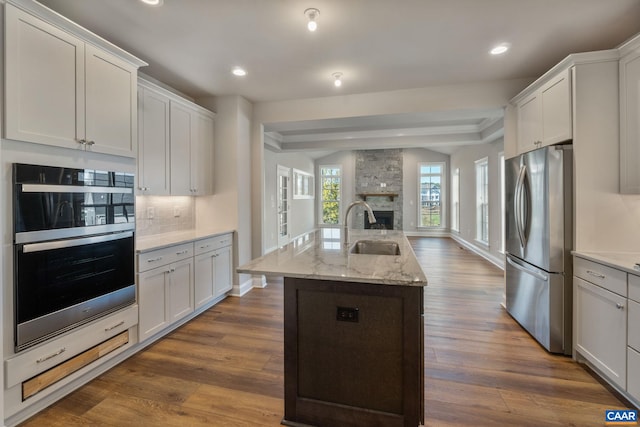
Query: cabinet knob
619	306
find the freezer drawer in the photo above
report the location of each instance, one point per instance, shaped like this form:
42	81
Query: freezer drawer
537	300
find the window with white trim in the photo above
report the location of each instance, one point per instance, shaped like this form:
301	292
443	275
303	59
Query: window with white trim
482	200
455	200
431	194
330	190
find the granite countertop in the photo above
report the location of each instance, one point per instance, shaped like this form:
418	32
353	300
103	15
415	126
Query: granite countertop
158	241
323	254
625	261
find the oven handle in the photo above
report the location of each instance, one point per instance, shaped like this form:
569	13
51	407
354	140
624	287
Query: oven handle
52	188
59	244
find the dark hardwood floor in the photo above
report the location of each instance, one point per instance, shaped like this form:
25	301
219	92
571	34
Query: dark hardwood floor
225	368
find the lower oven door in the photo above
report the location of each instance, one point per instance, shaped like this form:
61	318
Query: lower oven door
63	283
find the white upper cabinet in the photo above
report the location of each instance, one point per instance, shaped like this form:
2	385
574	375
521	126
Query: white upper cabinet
62	91
153	143
175	144
182	135
630	121
202	156
544	116
110	103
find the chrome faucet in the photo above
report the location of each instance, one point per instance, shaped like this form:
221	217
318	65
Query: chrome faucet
372	218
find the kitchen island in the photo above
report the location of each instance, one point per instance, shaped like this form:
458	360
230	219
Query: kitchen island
353	328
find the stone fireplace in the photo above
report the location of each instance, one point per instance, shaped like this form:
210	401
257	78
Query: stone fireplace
378	181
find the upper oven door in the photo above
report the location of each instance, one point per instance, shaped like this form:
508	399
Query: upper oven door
84	203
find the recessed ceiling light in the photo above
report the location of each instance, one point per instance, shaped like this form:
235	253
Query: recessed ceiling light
239	71
499	49
153	2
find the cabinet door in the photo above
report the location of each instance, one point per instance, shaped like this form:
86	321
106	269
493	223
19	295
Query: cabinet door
529	117
202	156
223	267
152	301
44	82
182	128
153	143
110	104
629	128
601	329
180	290
204	278
633	378
555	97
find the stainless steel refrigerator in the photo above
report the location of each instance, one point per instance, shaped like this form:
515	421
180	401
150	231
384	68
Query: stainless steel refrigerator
539	239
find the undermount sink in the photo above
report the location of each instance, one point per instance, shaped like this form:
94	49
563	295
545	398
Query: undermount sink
375	247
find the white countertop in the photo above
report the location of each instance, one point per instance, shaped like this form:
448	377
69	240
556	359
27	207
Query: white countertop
621	260
322	254
158	241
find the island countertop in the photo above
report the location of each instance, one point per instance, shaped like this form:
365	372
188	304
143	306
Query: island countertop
323	254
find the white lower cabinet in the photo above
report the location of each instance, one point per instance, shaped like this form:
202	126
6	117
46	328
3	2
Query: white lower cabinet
606	320
179	281
633	370
601	329
165	287
213	268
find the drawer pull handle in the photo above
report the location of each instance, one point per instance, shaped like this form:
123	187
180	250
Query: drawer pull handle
114	326
182	252
172	270
204	247
154	259
594	274
51	356
619	306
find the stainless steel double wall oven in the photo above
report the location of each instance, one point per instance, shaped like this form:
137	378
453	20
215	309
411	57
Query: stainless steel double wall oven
73	248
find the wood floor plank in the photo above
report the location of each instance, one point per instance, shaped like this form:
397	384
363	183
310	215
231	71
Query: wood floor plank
225	368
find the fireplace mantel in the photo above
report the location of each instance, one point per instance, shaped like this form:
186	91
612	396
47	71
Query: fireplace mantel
391	196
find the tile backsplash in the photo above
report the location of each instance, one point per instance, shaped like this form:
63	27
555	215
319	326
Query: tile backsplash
157	214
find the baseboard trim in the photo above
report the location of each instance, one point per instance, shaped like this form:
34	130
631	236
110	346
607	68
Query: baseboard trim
479	251
242	288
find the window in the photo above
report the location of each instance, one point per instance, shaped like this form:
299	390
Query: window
302	185
431	194
482	200
502	200
455	200
330	189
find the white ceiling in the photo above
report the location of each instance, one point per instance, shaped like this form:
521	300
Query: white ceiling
378	45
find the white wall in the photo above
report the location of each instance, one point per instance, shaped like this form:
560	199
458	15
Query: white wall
411	158
230	206
464	159
302	215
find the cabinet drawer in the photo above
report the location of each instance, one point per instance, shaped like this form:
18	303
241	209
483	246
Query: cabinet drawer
633	325
39	359
601	275
212	243
633	373
164	256
634	287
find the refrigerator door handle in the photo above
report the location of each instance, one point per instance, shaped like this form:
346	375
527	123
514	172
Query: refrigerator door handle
524	269
517	205
525	194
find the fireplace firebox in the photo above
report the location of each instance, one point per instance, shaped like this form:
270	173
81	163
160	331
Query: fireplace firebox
384	220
